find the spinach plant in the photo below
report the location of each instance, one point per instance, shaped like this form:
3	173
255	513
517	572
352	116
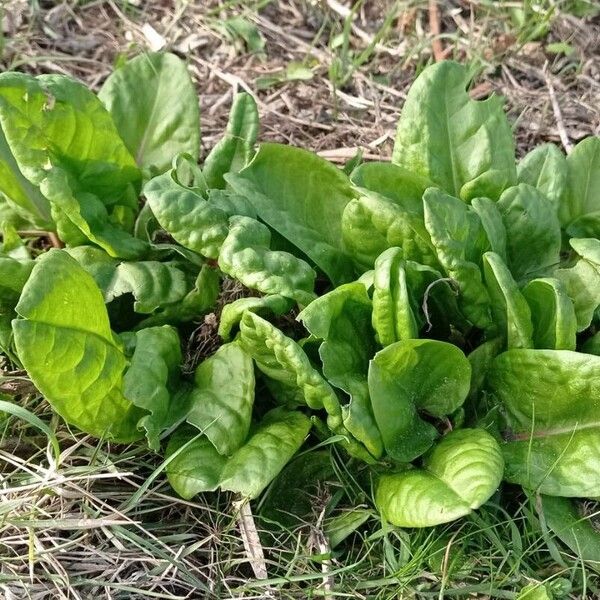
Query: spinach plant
436	316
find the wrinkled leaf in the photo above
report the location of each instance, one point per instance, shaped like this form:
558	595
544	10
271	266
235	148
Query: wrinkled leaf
412	376
245	256
341	319
302	196
459	475
222	398
550	400
63	339
153	369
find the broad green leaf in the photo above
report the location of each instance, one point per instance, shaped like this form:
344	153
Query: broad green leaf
154	105
13	277
572	527
153	284
232	313
512	315
459	475
19	191
459	240
462	145
582	280
412	376
12	245
302	197
81	218
283	361
397	184
54	121
372	223
222	398
260	460
399	289
197	466
199	300
481	359
63	339
583	197
546	169
245	256
153	369
552	314
531	223
550	400
492	223
341	319
191	220
280	358
235	149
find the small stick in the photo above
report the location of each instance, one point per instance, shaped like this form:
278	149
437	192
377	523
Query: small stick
435	28
251	539
560	124
55	241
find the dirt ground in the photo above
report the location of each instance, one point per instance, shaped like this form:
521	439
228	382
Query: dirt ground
327	77
352	86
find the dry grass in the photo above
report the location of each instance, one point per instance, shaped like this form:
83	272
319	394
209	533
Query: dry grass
103	523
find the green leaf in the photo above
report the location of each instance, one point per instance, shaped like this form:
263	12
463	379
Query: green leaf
63	339
222	398
302	197
13	276
462	145
572	527
19	191
192	221
341	319
283	361
582	280
412	376
492	223
154	105
531	223
153	369
398	292
552	314
153	284
194	465
550	400
235	149
53	121
459	475
245	256
199	300
371	224
583	196
232	313
401	186
261	459
459	240
81	218
546	169
512	315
